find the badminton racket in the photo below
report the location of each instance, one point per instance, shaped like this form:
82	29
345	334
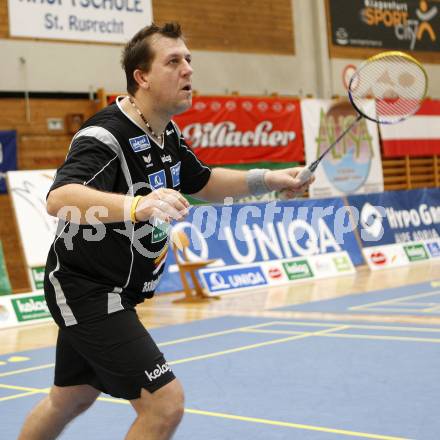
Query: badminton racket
387	88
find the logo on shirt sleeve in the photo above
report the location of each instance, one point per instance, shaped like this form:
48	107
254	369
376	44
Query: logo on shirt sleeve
157	180
175	174
140	143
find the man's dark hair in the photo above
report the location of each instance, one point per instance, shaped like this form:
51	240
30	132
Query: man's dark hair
138	54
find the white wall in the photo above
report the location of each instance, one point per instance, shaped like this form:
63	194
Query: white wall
82	67
79	67
338	65
61	67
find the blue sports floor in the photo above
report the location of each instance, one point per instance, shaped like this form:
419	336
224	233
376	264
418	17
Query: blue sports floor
416	299
264	379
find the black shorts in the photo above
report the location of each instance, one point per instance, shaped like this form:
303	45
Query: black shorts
115	355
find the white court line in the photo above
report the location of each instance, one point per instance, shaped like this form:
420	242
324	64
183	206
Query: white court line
350	336
32	391
361	326
399	310
395	300
328	325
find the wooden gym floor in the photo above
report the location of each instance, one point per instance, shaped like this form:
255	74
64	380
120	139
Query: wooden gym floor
161	311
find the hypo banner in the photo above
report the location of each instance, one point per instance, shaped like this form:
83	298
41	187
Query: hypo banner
354	164
227	130
109	21
249	233
397	216
398	24
8	155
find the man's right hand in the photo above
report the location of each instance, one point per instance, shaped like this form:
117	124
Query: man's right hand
164	204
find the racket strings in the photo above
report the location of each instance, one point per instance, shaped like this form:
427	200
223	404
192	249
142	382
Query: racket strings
395	83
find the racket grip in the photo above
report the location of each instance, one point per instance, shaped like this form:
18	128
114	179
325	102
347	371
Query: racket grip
304	175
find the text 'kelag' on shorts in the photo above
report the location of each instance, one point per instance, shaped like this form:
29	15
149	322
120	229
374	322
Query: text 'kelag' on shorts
115	355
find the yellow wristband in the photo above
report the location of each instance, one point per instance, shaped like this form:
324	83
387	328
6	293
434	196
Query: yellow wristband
133	207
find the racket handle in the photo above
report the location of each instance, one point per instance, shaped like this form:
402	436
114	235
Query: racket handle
304	175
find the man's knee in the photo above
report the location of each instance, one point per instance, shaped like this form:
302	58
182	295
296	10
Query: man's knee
72	400
166	404
172	413
176	407
169	402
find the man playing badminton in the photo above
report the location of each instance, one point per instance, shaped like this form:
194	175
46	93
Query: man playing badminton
126	169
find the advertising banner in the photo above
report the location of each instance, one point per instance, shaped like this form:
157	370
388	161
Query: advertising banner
30	308
399	24
354	165
7	314
81	20
397	216
229	130
385	256
250	233
8	156
36	275
274	273
433	247
5	285
416	136
401	254
37	228
26	308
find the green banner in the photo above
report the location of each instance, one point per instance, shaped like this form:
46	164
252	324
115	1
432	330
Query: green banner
30	308
342	263
269	165
38	277
248	166
416	252
296	270
5	285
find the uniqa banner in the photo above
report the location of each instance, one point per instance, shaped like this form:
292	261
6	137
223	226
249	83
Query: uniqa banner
8	156
397	216
397	24
248	233
228	130
354	164
110	21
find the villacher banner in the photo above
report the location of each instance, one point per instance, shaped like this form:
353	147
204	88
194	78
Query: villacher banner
228	130
386	24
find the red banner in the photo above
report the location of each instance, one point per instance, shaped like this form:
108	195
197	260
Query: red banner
419	135
228	130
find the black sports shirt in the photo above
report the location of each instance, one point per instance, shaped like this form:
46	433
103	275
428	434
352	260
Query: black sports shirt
95	270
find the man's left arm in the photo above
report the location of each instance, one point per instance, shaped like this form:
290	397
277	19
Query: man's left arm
237	183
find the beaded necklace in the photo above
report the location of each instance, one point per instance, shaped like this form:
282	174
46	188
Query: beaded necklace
144	119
